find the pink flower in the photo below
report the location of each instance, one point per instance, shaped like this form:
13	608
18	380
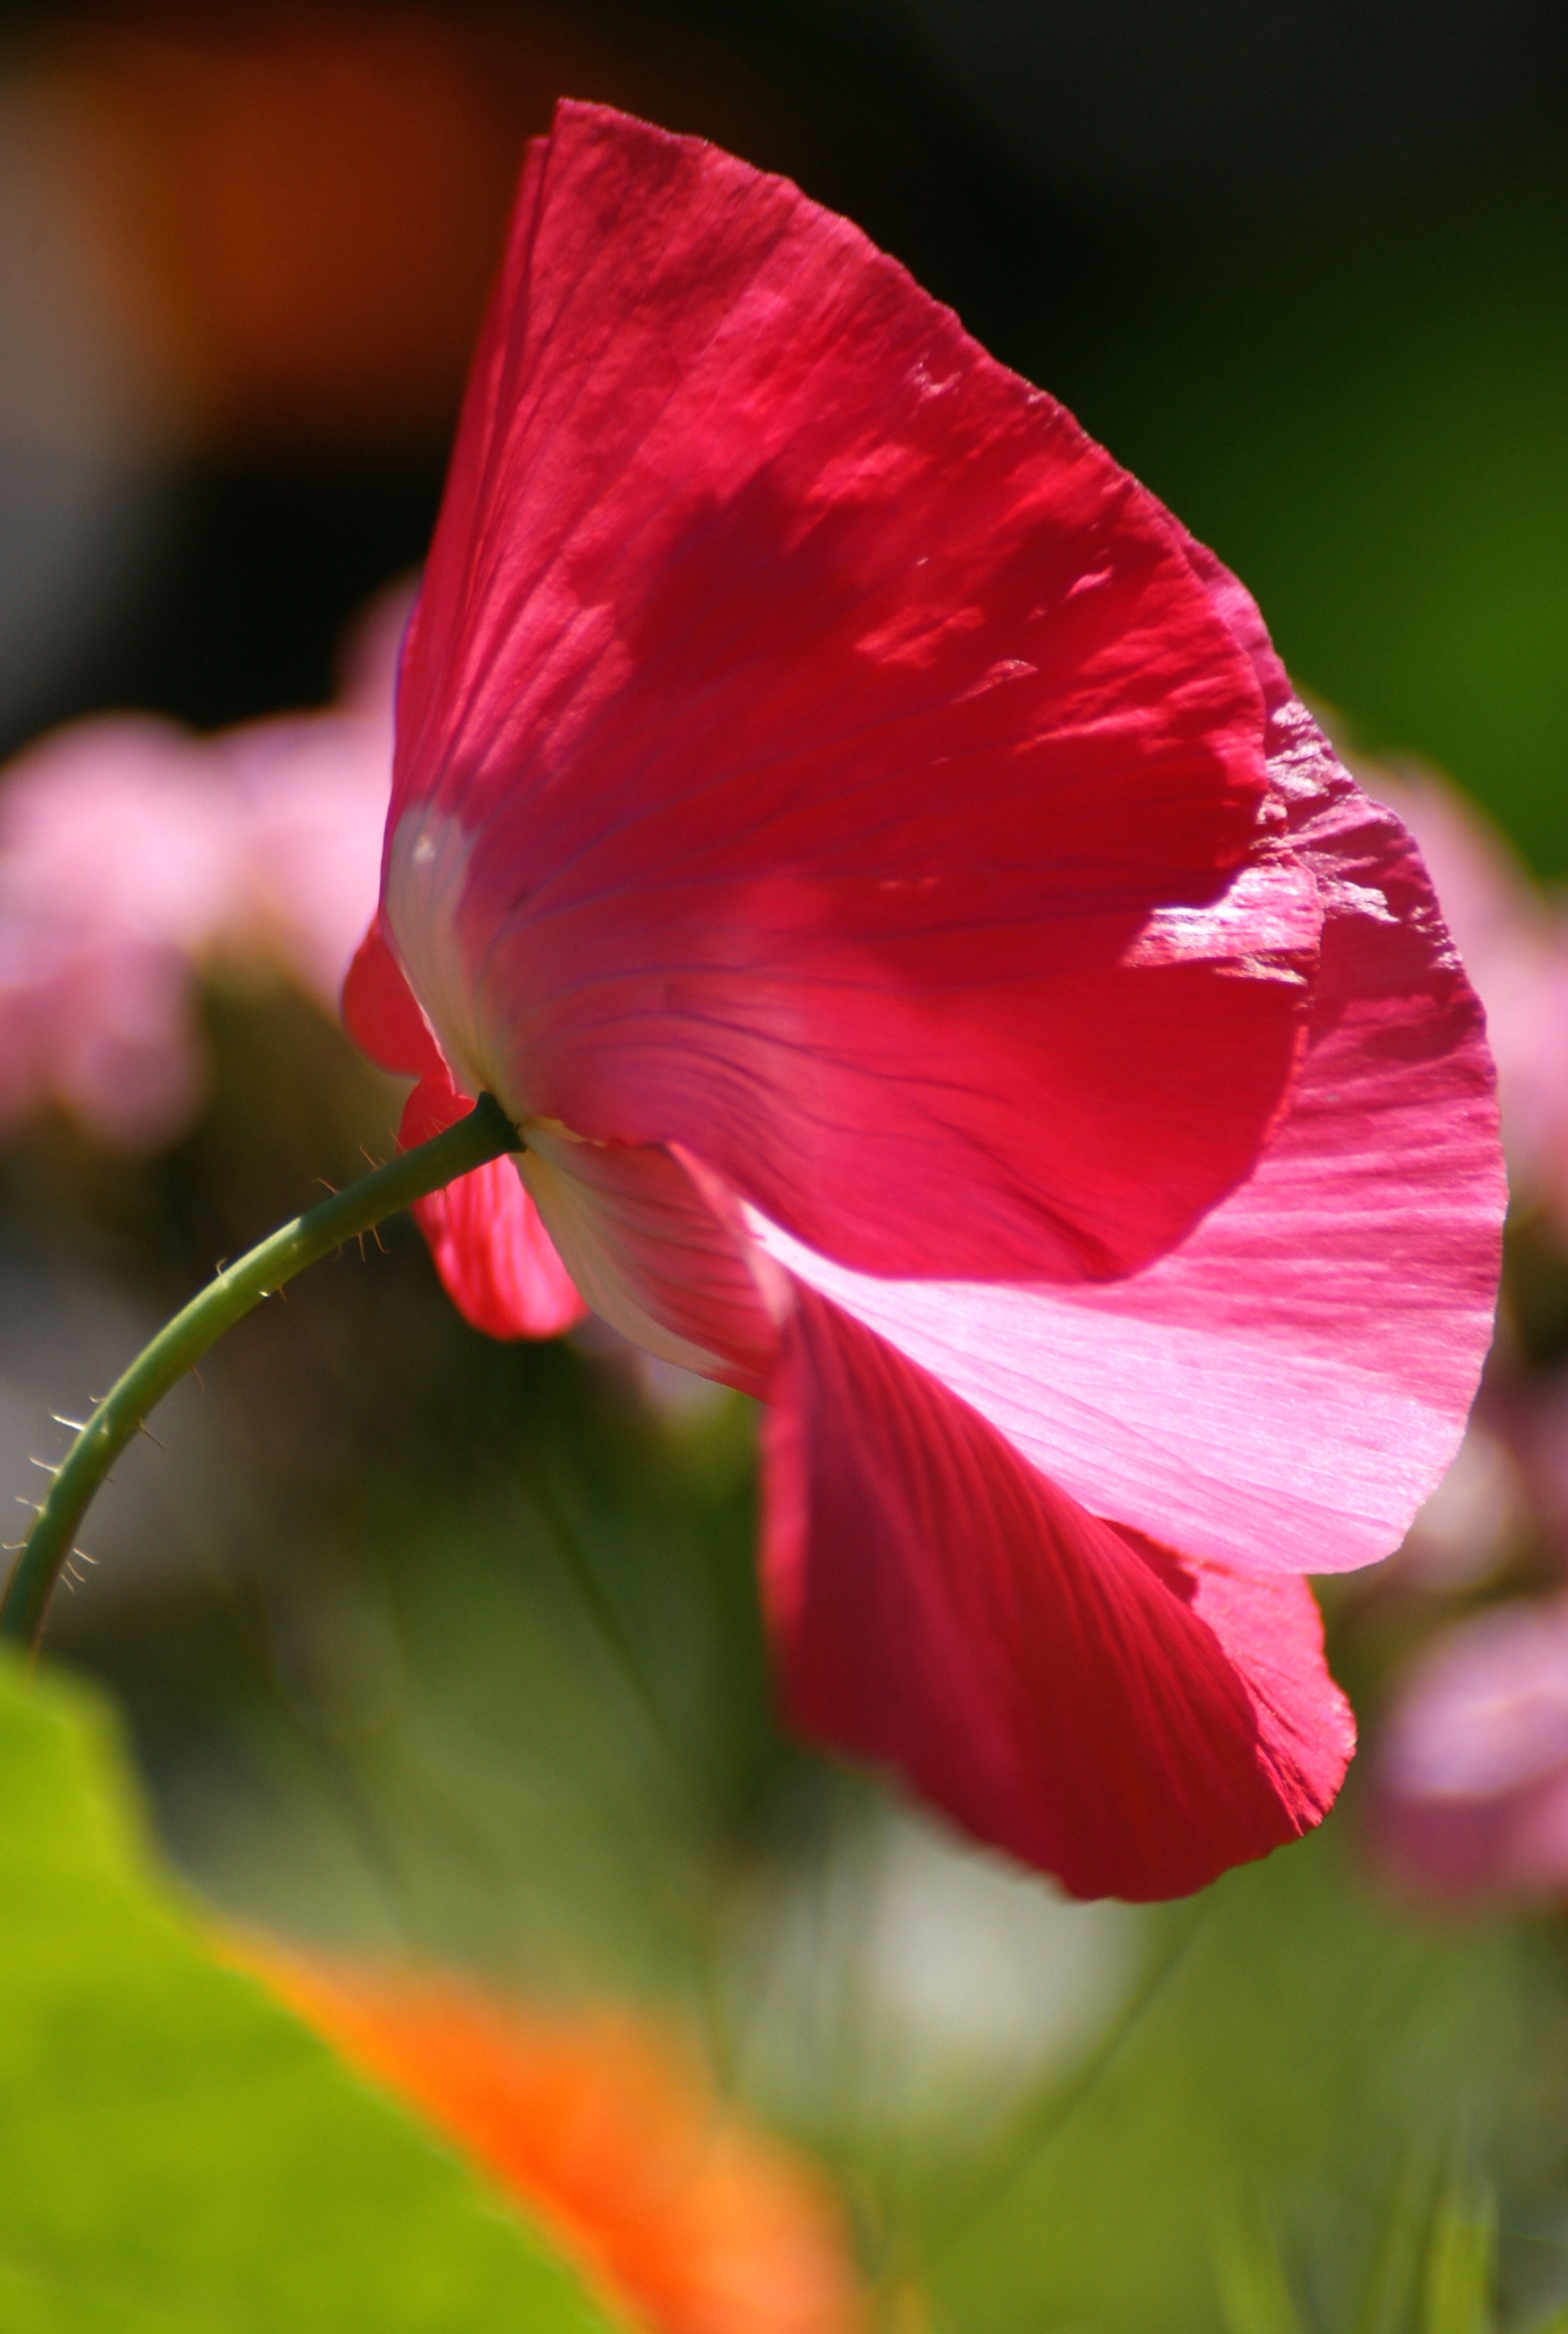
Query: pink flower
1472	1774
132	853
1514	944
312	791
117	866
948	988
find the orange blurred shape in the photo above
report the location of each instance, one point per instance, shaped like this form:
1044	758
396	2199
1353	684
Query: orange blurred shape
304	205
311	203
605	2128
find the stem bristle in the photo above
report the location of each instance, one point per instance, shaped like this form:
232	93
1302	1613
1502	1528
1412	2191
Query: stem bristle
235	1289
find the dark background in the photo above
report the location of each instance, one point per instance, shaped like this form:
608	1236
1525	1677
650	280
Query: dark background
1303	268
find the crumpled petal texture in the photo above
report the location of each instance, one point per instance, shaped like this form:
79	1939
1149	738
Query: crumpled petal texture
1277	1395
1283	1390
858	787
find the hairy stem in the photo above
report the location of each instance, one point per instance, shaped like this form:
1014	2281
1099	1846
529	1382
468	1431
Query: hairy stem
484	1134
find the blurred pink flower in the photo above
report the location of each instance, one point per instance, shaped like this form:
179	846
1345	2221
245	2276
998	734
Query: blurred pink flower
1472	1774
118	867
132	853
1513	939
1478	1515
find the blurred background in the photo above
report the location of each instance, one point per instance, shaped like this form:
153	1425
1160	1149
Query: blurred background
437	1647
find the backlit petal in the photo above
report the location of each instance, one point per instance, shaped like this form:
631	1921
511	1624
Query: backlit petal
814	752
1285	1389
1126	1720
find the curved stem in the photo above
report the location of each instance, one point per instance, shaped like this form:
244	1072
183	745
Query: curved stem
485	1134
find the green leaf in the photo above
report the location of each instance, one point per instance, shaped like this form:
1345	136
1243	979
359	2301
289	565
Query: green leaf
178	2155
1253	2291
1461	2261
1394	2276
1311	2040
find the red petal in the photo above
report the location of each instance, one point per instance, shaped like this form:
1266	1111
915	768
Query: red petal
654	1241
381	1014
658	1249
494	1255
849	774
1285	1389
1130	1722
497	1261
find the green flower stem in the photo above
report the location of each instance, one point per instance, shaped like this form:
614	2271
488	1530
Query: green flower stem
485	1134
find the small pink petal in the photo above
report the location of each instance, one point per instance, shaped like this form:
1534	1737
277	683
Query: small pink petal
383	1015
125	1053
371	647
119	867
121	821
1101	1709
497	1261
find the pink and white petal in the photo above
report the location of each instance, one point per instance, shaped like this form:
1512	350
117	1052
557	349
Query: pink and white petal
1094	1705
497	1261
658	1249
1285	1389
650	1240
816	752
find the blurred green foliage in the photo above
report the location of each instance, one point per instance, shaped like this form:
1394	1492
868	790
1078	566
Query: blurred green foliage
175	2150
1310	2048
463	1656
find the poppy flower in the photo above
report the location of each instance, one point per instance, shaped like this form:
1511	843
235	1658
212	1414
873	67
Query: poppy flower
605	2128
946	987
1471	1797
1514	939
